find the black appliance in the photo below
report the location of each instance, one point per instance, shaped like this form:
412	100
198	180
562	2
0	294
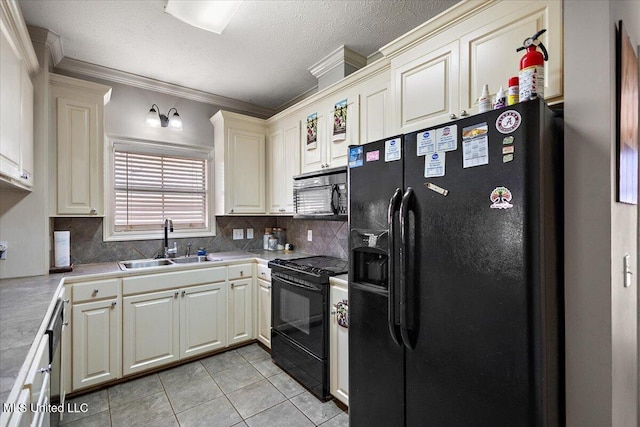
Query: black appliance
300	318
455	280
321	194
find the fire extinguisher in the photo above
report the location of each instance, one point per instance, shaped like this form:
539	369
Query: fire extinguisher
531	75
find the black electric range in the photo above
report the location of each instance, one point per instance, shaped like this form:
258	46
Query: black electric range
300	318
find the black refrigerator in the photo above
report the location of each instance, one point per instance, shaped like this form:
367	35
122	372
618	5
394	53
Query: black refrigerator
455	274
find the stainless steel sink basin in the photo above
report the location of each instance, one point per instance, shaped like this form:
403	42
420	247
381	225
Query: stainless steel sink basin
189	260
144	263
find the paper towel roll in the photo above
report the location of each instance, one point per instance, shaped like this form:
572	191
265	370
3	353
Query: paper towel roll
61	248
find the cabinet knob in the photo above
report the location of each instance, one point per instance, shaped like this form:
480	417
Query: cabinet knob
95	292
66	301
94	211
113	304
262	273
45	370
24	175
231	211
322	166
463	113
241	273
65	323
452	116
176	294
233	285
184	293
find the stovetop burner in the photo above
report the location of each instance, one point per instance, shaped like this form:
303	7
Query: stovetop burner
315	265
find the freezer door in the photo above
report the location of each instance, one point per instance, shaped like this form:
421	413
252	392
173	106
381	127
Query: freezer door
475	282
376	360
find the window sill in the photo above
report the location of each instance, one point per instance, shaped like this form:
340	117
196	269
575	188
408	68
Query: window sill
155	235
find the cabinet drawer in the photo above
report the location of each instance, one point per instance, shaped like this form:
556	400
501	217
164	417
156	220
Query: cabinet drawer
99	289
240	271
264	272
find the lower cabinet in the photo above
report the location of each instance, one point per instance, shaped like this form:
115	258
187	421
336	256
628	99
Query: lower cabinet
240	310
38	380
338	344
264	312
96	333
163	327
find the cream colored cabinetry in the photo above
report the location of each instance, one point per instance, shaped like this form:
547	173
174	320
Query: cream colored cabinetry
16	120
329	150
439	78
96	328
338	345
283	163
38	381
375	108
264	304
241	290
17	417
170	316
240	162
77	109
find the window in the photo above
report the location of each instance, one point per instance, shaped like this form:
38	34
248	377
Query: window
150	182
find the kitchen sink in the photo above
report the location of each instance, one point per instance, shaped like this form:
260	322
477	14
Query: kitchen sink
144	263
190	260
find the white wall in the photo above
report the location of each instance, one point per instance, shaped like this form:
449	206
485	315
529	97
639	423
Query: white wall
601	315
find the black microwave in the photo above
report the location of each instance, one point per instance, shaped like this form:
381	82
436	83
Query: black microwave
321	195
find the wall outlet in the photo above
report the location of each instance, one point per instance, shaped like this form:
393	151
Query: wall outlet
3	249
238	234
309	235
249	233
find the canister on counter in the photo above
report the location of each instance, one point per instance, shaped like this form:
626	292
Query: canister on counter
265	238
273	243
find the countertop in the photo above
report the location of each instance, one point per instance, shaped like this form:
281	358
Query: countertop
24	303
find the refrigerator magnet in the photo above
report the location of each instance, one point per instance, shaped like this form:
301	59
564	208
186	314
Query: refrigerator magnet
508	150
475	145
431	186
507	140
356	157
434	165
508	121
426	143
507	158
392	150
500	198
373	156
447	138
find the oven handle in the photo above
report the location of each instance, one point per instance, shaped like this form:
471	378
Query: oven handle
334	191
297	285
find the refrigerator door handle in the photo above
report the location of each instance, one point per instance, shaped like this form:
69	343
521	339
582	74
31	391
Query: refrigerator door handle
405	207
394	205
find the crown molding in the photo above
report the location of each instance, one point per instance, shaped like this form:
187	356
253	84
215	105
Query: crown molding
340	56
71	65
16	30
49	39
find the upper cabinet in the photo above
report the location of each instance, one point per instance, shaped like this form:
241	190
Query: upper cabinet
77	109
375	109
335	124
283	162
17	62
240	163
439	77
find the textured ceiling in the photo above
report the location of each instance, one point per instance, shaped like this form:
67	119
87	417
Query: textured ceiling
262	57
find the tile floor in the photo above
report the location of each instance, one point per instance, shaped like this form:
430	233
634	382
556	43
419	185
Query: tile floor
241	387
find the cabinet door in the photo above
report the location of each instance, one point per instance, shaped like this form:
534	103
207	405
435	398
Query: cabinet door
314	154
276	163
264	312
337	146
247	154
374	109
291	166
26	119
203	319
96	343
10	128
488	54
19	415
79	158
426	89
338	349
240	310
150	331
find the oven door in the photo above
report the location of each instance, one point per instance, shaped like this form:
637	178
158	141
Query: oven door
298	313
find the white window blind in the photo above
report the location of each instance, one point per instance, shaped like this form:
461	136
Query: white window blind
151	187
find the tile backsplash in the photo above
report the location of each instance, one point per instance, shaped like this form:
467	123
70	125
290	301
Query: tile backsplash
87	246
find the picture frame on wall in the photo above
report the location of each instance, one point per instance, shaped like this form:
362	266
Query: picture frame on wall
626	119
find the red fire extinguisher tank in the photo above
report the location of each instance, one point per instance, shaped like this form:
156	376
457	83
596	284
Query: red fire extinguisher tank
531	75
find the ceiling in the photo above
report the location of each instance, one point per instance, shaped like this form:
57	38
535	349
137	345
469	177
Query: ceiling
262	57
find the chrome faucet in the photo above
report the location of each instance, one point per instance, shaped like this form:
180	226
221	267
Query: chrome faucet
168	226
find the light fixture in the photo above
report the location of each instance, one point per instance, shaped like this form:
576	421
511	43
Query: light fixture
204	14
156	120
